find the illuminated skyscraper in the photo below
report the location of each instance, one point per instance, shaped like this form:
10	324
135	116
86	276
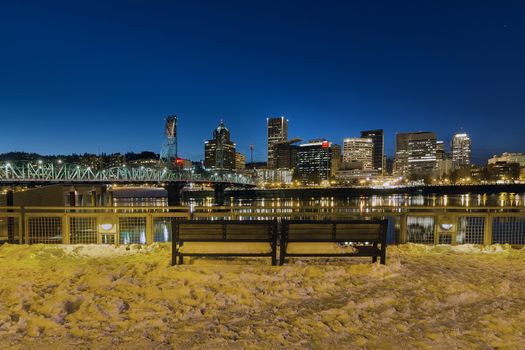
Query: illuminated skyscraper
219	152
461	149
378	153
416	154
359	150
400	167
277	132
318	160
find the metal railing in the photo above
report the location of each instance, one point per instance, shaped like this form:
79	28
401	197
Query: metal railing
416	224
144	225
88	225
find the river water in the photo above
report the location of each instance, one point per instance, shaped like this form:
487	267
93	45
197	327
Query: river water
502	199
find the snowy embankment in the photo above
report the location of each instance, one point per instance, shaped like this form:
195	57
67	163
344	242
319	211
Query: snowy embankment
129	297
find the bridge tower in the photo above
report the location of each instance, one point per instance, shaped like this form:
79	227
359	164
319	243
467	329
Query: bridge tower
169	151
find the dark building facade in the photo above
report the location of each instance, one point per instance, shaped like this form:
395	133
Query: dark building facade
285	155
219	152
378	152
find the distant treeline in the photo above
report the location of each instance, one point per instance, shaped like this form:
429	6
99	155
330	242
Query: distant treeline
75	158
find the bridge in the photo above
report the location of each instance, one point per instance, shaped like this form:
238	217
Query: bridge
43	173
49	173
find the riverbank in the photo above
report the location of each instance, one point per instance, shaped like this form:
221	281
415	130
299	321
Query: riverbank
101	297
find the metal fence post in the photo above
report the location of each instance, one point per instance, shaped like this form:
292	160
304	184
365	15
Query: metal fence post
487	230
117	231
22	225
403	232
26	227
436	229
149	229
65	229
454	234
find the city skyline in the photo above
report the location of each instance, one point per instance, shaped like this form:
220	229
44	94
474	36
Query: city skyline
100	78
448	145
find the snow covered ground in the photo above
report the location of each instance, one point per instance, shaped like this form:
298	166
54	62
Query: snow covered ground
90	297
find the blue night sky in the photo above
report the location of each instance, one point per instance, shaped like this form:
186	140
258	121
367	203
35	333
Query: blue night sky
100	76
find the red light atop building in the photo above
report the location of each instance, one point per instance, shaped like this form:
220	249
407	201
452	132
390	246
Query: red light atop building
326	144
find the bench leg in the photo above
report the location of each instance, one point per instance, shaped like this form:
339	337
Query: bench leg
374	259
383	256
181	260
282	255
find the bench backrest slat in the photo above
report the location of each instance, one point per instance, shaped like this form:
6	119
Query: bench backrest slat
370	232
248	232
225	230
330	231
310	231
192	231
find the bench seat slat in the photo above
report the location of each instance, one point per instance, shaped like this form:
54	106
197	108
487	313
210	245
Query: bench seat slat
225	248
374	237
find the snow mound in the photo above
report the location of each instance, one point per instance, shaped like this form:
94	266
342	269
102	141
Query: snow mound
411	248
106	251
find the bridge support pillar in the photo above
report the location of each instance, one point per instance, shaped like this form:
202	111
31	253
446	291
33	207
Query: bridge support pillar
174	193
219	193
93	195
109	198
10	200
72	197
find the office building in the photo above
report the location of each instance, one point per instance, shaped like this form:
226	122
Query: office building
277	132
240	161
416	155
508	158
443	160
273	176
219	152
461	149
285	154
400	166
359	150
503	171
378	154
317	161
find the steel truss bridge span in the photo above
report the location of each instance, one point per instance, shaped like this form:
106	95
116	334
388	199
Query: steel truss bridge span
24	173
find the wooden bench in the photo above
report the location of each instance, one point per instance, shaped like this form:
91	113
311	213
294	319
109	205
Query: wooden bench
224	238
358	232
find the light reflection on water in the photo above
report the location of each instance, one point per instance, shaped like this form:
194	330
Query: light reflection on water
463	200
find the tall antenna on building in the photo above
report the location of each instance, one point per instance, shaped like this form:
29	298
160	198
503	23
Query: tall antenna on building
251	155
169	151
